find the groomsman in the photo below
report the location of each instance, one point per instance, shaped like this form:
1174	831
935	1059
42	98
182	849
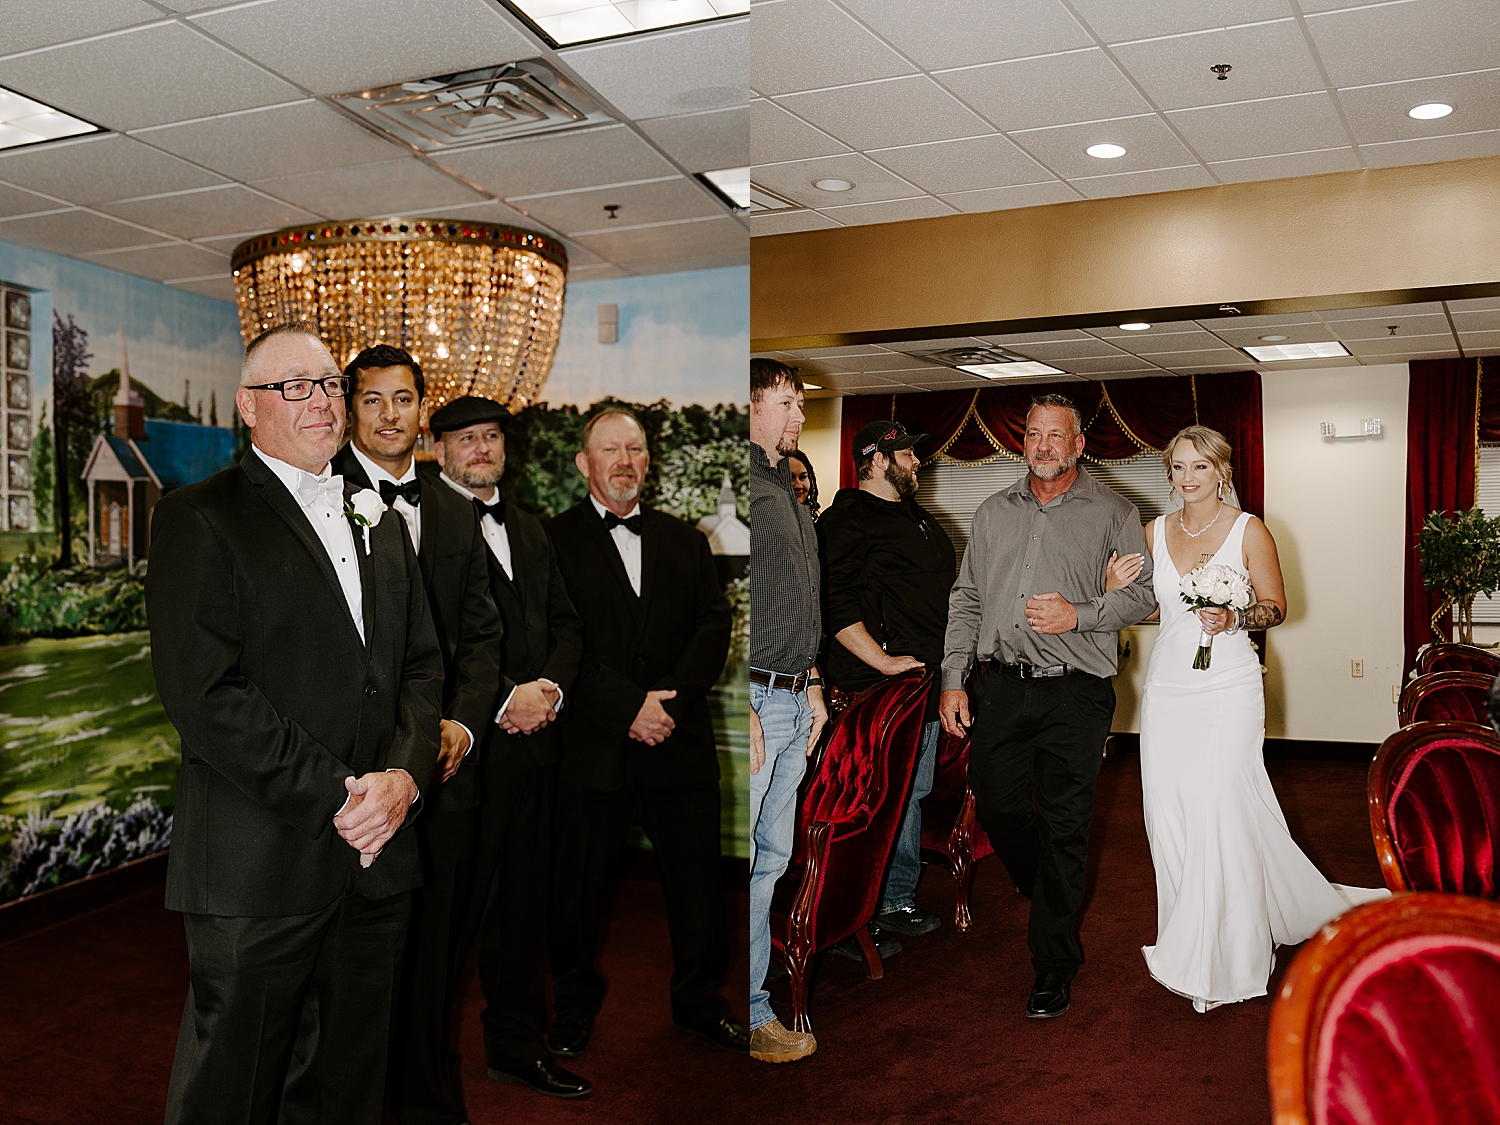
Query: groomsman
543	640
386	389
295	654
639	741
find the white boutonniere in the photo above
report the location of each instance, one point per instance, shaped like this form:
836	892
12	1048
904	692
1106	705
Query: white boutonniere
365	508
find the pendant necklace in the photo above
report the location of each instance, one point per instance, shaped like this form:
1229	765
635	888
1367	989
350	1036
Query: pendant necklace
1205	527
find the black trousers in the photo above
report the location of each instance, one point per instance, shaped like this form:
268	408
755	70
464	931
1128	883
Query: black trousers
250	979
683	827
1041	737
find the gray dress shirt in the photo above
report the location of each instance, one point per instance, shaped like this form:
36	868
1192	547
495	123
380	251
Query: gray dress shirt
1019	548
786	623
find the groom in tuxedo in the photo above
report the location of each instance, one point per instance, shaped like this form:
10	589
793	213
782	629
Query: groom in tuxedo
295	654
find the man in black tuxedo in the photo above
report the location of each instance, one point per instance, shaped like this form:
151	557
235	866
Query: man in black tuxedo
295	654
639	739
544	638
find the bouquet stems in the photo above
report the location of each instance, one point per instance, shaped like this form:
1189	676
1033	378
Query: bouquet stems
1205	652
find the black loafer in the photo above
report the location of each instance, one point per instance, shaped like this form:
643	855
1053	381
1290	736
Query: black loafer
545	1077
909	920
886	944
726	1032
569	1035
1050	997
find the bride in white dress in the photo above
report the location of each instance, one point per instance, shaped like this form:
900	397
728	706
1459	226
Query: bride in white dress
1231	884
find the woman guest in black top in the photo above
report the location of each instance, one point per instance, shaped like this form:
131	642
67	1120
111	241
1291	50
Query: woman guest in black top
804	481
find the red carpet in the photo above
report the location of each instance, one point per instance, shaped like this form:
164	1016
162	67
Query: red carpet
943	1038
89	1012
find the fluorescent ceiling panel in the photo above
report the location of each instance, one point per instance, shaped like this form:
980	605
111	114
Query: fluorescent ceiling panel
734	183
580	21
25	122
1323	350
1010	370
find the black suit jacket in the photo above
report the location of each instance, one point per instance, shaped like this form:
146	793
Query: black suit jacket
455	572
675	635
262	671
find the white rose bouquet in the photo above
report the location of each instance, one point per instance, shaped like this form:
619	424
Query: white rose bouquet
1214	587
365	508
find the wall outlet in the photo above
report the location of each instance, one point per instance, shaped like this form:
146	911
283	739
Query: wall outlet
1357	668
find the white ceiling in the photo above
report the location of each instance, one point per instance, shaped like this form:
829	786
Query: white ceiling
1431	330
947	106
220	127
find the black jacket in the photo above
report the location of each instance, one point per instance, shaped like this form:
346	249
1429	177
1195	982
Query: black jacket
261	670
455	574
889	564
675	635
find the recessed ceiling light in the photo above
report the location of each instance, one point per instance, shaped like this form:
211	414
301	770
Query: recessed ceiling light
806	386
1105	152
1009	370
733	184
575	21
1430	111
1135	326
1273	339
25	122
832	185
1326	349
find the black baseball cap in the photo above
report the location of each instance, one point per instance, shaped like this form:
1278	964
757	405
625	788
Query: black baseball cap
884	437
470	410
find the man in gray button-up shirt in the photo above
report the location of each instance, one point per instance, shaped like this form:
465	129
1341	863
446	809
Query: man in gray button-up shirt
1030	601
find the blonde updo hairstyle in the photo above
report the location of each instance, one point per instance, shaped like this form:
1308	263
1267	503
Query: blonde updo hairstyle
1211	446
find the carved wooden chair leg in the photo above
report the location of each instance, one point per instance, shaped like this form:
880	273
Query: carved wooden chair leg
873	966
799	972
963	886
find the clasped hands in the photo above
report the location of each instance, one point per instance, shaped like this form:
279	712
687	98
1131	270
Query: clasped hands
652	724
376	807
531	707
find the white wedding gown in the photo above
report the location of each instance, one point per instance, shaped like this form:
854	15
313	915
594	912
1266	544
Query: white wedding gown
1231	884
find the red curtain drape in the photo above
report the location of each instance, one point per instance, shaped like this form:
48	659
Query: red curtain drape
1122	418
1441	430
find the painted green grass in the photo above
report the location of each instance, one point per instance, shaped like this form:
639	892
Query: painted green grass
731	707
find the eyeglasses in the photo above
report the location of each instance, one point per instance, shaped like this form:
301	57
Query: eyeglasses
295	390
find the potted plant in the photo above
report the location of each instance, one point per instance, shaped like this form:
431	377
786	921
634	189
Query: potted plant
1460	559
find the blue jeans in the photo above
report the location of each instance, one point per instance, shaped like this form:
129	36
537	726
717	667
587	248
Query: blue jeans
906	861
786	721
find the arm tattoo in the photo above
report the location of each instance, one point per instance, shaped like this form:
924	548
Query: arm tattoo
1262	616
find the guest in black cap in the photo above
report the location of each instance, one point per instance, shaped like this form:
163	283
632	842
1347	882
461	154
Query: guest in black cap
512	855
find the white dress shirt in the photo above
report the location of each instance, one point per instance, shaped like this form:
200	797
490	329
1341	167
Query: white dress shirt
410	513
627	542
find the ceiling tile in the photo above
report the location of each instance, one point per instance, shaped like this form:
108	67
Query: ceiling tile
1430	150
531	165
1268	128
840	382
1144	183
1273	321
1391	42
118	81
1475	343
161	262
1269	60
1166	328
704	142
339	46
776	136
1206	357
1100	364
1116	22
722	240
283	141
965	165
991	29
810	44
14	201
918	347
489	212
1240	337
29	25
1488	321
1056	90
1144	373
794	181
101	169
1147	141
73	232
1473	304
640	203
890	211
1378	113
219	288
1090	348
788	222
836	353
1379	329
705	66
372	190
894	111
1151	343
1384	312
1003	199
602	272
1409	345
1036	337
1286	166
886	363
210	211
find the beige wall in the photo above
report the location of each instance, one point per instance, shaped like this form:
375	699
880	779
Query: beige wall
820	441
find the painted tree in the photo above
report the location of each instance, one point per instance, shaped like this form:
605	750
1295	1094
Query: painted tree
72	417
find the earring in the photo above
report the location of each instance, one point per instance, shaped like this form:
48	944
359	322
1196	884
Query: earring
1221	489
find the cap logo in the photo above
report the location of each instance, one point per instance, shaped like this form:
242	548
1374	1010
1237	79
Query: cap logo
892	435
867	449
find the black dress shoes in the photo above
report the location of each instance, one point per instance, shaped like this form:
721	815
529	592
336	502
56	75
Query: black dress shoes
545	1077
1050	996
727	1032
910	920
569	1035
887	945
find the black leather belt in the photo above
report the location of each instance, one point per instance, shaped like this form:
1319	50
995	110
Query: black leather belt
793	684
1037	671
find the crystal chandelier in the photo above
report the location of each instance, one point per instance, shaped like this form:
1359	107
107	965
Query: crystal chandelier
479	306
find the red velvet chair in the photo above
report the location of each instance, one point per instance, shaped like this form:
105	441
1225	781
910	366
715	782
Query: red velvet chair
1458	658
1434	794
849	814
1440	697
951	835
1391	1016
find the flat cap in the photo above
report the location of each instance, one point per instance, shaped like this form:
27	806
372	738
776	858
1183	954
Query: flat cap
471	410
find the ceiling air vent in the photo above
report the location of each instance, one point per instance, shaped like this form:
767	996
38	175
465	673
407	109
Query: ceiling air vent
495	103
992	363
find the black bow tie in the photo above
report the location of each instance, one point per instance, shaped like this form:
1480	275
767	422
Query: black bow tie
497	509
612	521
411	492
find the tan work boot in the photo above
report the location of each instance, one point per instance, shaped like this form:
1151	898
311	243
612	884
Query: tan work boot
775	1044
